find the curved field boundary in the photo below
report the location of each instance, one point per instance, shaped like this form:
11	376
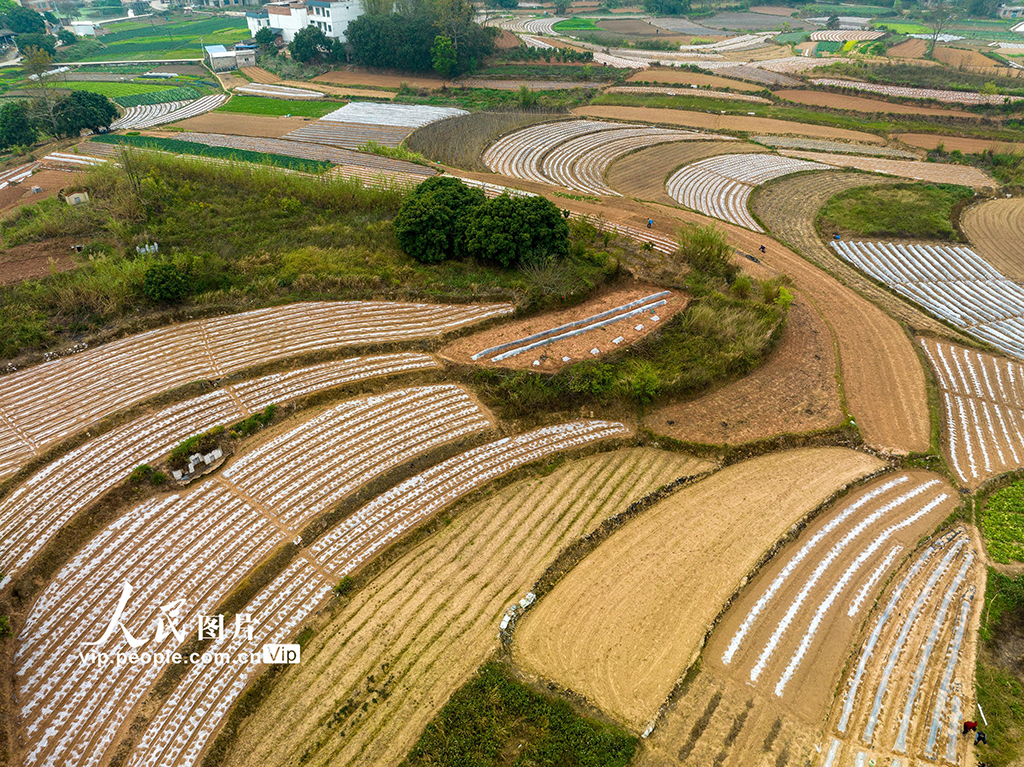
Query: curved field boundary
900	685
789	142
580	163
934	172
720	186
55	399
842	35
953	97
448	594
864	104
983	410
953	283
138	118
519	154
197	546
995	229
190	717
38	508
348	135
621	627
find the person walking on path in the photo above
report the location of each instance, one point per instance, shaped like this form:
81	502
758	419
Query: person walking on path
650	223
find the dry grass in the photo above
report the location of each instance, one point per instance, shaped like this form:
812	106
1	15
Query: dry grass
460	141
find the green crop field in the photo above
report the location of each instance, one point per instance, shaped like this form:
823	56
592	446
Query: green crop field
168	41
904	29
570	24
1003	524
257	105
177	146
115	90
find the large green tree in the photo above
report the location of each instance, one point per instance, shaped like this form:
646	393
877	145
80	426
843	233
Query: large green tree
431	224
80	110
43	42
517	231
23	20
443	54
406	40
311	45
15	127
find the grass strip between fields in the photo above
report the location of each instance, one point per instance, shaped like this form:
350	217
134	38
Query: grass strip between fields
178	146
258	105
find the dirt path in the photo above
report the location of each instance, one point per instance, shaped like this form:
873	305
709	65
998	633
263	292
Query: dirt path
996	231
794	392
724	122
384	665
628	620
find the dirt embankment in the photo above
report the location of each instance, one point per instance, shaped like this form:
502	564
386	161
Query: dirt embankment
794	392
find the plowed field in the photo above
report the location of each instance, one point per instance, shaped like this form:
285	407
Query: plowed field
680	77
723	122
795	391
628	620
882	377
642	174
962	59
859	104
965	145
241	125
909	49
996	231
929	172
414	634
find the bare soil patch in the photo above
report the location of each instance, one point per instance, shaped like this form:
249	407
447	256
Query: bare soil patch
908	49
576	348
794	391
229	80
858	104
378	79
332	90
242	125
723	122
996	231
260	75
964	144
673	76
643	174
628	620
51	181
37	259
387	661
960	57
934	172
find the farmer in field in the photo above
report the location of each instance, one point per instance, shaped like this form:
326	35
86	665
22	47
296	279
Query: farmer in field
970	726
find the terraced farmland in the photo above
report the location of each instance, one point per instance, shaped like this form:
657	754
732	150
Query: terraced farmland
983	410
31	516
35	416
192	714
624	624
721	186
150	115
198	546
448	594
933	94
932	172
953	283
356	123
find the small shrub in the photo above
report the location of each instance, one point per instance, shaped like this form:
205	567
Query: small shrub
517	232
141	473
254	423
344	586
165	284
5	627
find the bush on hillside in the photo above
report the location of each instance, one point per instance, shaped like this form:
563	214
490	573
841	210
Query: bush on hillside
517	232
165	284
15	127
431	224
82	110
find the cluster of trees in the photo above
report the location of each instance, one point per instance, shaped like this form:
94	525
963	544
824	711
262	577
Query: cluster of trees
667	7
419	36
51	112
310	46
567	55
444	219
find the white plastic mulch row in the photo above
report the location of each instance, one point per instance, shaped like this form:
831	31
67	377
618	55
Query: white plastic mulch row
278	91
519	154
684	91
57	398
188	720
953	97
721	186
398	115
38	508
952	282
824	145
198	546
17	175
738	43
147	116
